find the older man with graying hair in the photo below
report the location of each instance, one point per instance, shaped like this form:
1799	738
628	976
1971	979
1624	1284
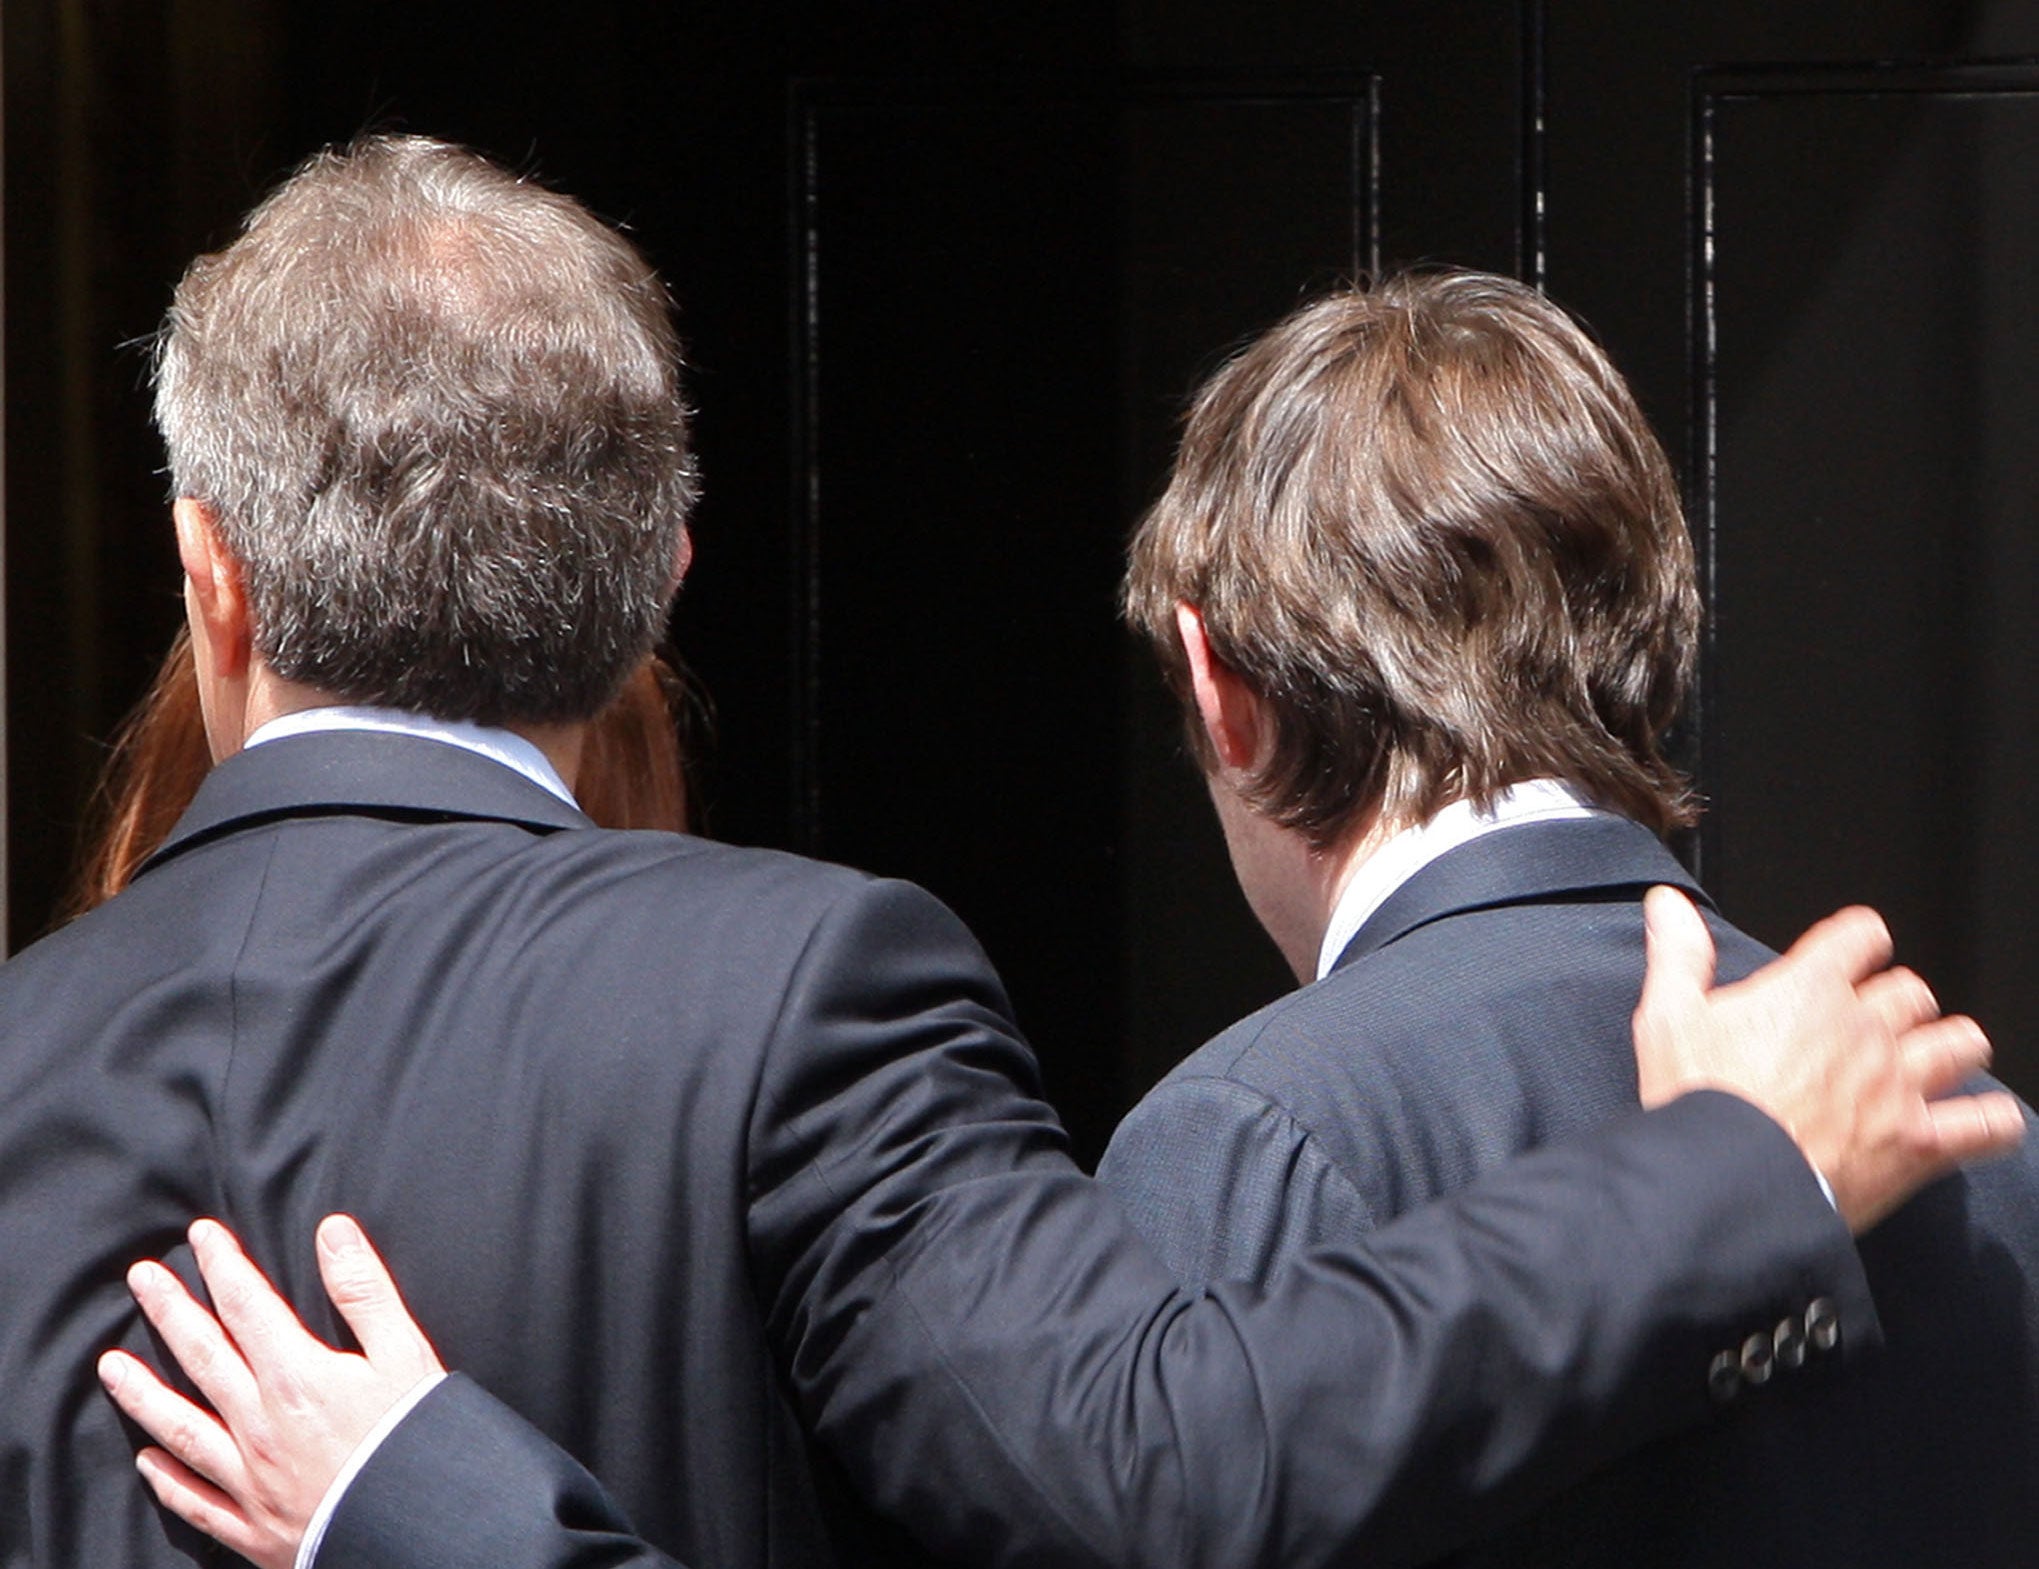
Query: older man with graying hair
433	414
726	1171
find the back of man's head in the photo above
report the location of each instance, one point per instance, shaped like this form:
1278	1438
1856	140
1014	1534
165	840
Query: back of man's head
435	412
1428	526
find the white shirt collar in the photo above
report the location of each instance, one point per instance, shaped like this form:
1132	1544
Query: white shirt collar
501	746
1408	852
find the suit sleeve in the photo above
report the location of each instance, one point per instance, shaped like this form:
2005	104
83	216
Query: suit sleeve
1002	1364
463	1482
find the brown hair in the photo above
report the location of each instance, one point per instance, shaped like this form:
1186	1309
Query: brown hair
631	774
1425	521
159	759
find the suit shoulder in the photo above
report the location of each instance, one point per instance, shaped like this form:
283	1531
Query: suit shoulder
677	875
1283	1046
1300	1079
654	854
1429	1060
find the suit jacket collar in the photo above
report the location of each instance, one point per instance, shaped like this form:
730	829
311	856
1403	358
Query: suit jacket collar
1537	861
366	772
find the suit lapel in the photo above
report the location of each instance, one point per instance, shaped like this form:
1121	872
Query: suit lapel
1583	858
367	772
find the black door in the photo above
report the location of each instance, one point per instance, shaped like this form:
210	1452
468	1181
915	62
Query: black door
947	274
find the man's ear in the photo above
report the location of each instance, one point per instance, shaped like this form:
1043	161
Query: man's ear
1227	705
214	593
683	558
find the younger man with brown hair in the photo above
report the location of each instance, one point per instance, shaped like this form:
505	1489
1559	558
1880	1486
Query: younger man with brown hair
1422	583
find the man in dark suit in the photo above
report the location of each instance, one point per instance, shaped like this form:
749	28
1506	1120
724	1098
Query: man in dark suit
726	1170
1422	580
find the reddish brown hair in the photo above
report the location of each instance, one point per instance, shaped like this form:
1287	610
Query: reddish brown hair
631	773
1425	521
158	761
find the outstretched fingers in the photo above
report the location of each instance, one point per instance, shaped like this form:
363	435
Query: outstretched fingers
1899	998
290	1408
360	1286
1850	1058
1855	942
261	1323
1970	1127
198	1503
1941	1055
192	1437
211	1360
1913	1127
1938	1058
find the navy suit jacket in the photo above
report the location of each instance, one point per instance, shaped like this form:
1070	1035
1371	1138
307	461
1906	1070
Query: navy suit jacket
1484	1010
728	1172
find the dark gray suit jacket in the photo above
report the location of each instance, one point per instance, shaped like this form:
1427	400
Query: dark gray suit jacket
1484	1010
729	1172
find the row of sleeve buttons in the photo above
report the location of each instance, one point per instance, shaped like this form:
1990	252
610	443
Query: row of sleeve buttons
1785	1348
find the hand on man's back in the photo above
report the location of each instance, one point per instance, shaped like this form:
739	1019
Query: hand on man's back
1851	1056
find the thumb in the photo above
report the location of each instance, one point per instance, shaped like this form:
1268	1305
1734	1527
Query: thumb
1678	952
361	1288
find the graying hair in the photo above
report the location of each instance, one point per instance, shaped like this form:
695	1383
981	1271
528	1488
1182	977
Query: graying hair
435	410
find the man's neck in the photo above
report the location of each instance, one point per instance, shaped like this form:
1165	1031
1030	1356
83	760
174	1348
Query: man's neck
562	745
1291	885
268	696
1389	854
1345	862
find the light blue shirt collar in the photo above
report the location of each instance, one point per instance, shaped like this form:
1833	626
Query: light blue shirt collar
499	746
